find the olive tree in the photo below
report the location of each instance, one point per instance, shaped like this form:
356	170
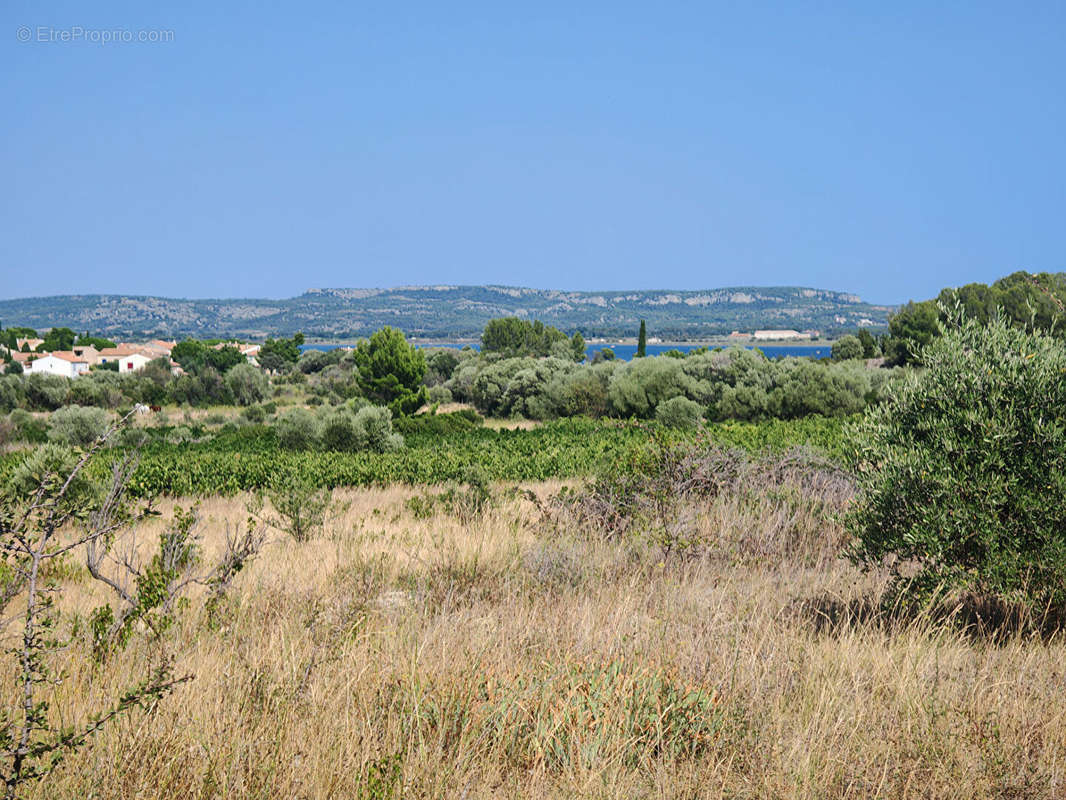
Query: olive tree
962	469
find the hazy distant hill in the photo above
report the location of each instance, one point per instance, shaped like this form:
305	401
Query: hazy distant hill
449	312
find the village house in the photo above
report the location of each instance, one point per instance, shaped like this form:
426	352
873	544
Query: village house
88	352
29	344
157	348
129	359
64	363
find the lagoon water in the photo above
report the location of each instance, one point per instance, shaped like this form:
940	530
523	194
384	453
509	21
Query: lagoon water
626	351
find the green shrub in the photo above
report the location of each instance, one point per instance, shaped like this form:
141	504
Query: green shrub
679	412
847	348
368	428
438	394
12	392
301	508
46	392
78	426
637	388
247	384
254	414
298	429
963	470
52	462
375	424
439	424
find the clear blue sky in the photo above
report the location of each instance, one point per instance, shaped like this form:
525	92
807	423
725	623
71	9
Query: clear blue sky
883	148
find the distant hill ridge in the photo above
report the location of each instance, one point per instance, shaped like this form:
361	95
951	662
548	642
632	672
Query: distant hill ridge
455	312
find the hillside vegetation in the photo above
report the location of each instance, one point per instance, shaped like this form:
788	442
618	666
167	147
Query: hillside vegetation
446	312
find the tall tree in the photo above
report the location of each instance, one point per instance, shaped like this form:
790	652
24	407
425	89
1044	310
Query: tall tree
577	347
642	340
391	371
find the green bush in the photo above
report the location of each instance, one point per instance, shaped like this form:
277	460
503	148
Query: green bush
247	384
46	392
78	426
52	462
963	471
368	428
298	429
375	425
438	394
679	412
637	388
255	414
847	348
12	392
439	424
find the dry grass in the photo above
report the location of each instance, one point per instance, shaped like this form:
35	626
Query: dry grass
506	659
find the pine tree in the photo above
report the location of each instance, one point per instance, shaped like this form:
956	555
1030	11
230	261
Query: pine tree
642	340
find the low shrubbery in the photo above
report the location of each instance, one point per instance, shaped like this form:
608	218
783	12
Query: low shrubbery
726	384
685	496
79	426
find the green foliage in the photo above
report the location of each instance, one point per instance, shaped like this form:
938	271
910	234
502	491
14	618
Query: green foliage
391	371
9	336
312	361
512	337
466	499
99	342
870	347
440	364
276	353
439	424
911	328
77	425
963	470
803	387
196	356
369	428
638	387
298	429
13	368
301	507
151	602
848	347
679	412
46	392
1030	302
642	340
577	347
247	384
12	392
47	463
57	339
250	458
381	778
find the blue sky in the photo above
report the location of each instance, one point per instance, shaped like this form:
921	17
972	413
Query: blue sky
887	149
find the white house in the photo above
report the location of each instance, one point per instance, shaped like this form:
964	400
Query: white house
129	359
132	362
60	363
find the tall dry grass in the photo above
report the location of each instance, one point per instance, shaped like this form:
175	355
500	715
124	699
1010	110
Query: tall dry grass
512	658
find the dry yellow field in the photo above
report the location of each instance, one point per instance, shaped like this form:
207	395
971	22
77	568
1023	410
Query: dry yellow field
507	658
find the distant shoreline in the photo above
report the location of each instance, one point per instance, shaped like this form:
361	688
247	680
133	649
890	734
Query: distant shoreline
725	342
